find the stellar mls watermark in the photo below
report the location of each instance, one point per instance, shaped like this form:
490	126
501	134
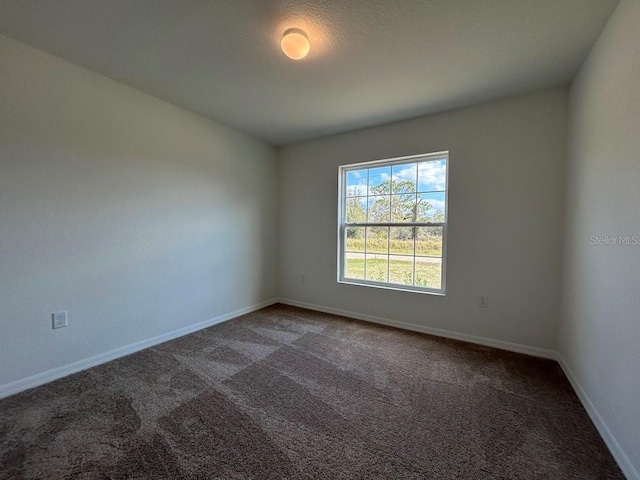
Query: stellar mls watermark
615	240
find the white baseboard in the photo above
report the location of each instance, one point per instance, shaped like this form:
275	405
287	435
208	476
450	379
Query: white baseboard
56	373
614	447
488	342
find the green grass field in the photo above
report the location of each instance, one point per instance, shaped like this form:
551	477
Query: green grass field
430	247
400	272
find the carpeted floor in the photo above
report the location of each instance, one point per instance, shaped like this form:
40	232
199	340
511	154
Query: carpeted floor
286	393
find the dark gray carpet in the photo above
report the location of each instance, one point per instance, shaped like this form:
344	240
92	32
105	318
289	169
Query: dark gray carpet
286	393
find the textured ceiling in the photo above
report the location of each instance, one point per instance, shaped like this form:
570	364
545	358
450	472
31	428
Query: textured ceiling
371	62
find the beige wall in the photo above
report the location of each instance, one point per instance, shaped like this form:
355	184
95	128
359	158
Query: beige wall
506	192
600	328
137	217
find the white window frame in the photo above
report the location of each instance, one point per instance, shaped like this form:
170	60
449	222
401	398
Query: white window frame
342	225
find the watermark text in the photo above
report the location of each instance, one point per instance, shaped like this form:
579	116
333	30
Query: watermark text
614	240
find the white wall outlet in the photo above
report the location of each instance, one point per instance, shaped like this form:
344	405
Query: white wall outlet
483	301
59	319
302	279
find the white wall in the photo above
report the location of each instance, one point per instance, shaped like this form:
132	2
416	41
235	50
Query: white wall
600	328
506	186
137	217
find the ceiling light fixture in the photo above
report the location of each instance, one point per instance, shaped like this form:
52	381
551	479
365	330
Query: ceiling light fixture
295	43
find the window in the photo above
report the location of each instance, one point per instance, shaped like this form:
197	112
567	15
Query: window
393	223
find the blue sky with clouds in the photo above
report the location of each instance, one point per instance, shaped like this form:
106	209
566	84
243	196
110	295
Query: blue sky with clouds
429	177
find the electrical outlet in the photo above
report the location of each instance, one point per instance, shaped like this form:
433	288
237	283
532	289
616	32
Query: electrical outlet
302	279
59	319
483	301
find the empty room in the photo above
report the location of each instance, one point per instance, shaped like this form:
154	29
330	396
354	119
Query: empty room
330	239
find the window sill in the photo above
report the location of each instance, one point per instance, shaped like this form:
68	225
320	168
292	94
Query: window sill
397	288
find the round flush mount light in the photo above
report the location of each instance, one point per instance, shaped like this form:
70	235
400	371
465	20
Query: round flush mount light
295	43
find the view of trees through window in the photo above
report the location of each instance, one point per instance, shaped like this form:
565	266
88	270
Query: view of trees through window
394	222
